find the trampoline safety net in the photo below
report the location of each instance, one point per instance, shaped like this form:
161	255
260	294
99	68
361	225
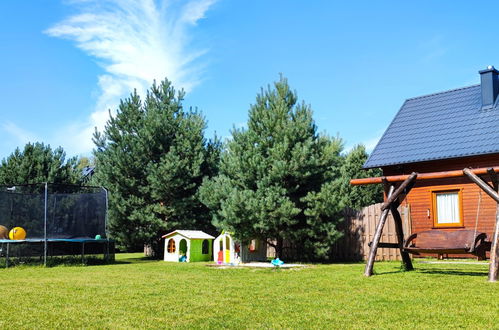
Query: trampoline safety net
53	215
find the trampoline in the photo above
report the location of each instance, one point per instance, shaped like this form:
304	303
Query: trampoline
60	220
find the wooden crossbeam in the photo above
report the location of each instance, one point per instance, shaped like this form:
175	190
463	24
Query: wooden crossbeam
385	245
423	176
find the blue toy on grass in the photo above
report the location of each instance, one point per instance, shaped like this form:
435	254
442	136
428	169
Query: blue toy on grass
277	262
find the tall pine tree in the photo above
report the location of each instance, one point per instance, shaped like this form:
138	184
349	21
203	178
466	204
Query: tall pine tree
279	178
152	156
38	163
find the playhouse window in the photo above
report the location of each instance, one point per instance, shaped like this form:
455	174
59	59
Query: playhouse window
447	208
252	247
171	246
206	247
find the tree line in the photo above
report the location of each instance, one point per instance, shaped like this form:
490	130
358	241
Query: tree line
278	179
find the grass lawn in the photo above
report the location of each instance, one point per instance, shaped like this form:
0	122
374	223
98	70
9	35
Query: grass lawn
139	293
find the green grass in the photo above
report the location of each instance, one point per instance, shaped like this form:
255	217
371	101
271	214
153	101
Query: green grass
140	293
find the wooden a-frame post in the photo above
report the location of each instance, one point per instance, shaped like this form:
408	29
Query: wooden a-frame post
494	193
391	204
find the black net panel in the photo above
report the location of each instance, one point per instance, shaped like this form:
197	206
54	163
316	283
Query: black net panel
23	206
72	212
76	214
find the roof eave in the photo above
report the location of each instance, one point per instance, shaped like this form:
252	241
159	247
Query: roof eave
427	160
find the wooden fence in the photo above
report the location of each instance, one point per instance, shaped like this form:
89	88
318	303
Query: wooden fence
359	228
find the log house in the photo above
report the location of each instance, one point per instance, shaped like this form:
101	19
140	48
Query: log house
446	131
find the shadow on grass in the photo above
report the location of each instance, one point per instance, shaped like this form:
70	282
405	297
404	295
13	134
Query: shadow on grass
72	261
136	260
459	272
434	271
125	261
390	272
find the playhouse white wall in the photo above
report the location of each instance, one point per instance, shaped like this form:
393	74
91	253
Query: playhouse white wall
260	254
175	256
229	257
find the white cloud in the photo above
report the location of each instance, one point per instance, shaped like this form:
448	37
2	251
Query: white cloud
20	135
370	144
135	42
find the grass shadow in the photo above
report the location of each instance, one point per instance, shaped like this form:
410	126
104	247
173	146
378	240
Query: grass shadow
397	271
459	272
134	260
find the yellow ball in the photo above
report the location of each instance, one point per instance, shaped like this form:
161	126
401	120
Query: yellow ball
4	232
17	233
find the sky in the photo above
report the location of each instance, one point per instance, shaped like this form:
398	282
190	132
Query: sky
64	64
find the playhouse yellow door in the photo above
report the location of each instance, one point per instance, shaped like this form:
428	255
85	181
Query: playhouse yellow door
227	249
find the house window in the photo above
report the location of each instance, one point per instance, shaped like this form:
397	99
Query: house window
206	247
447	208
171	246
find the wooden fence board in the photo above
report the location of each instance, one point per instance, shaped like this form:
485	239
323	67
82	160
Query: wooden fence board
358	230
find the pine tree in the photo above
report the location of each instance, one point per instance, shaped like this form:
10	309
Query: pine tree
38	163
357	197
152	156
279	178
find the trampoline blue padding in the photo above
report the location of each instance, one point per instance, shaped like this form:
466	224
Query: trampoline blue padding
34	240
40	240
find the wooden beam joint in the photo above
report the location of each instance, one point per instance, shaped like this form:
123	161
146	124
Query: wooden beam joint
408	183
493	178
482	184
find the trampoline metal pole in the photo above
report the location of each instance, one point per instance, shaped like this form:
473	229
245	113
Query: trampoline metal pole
105	214
45	226
106	252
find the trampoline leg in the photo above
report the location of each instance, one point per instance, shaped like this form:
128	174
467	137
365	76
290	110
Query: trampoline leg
82	253
45	247
106	252
7	256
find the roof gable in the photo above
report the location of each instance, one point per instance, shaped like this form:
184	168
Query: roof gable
190	234
444	125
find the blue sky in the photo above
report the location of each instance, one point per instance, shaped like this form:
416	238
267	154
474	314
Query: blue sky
63	64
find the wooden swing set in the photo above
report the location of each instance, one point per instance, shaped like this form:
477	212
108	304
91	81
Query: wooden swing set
434	241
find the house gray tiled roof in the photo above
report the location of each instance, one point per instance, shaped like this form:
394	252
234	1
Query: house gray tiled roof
444	125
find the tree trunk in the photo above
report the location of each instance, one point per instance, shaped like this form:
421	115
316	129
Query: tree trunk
278	247
154	249
148	250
